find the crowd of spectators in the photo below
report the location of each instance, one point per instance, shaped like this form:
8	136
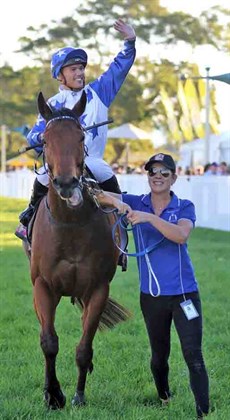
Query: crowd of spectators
213	168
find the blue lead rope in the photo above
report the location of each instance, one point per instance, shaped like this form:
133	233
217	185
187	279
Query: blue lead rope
123	225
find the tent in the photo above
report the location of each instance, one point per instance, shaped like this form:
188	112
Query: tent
21	161
130	132
193	153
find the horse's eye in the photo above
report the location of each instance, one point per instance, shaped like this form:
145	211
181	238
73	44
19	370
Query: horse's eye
83	137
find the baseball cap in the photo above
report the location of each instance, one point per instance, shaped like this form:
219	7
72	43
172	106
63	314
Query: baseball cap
166	160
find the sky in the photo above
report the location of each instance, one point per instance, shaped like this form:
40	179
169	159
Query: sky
16	17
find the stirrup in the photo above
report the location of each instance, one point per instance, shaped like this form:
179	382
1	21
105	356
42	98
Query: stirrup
21	232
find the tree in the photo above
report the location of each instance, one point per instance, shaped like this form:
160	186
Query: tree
139	100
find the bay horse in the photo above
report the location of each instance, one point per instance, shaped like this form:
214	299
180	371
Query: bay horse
72	250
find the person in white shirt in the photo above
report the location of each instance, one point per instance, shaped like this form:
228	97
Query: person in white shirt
68	66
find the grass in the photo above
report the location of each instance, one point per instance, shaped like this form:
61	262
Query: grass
120	386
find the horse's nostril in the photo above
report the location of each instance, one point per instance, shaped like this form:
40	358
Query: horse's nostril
55	182
75	182
65	185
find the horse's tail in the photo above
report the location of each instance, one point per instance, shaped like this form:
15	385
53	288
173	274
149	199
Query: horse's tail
113	314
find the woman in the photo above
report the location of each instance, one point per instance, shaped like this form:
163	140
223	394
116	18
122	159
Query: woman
162	224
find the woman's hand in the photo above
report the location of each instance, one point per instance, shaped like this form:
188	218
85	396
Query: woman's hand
125	29
122	208
136	216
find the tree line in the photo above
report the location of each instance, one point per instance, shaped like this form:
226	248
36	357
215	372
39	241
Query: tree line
149	98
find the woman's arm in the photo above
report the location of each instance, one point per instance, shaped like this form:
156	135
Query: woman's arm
113	200
177	233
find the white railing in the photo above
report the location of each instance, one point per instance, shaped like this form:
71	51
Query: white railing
17	184
210	194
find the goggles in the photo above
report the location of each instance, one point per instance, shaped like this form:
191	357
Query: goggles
164	172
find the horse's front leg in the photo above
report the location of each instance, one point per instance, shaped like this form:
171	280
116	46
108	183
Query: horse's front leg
84	351
45	306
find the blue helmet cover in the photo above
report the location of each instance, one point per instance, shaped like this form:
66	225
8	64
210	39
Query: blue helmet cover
65	57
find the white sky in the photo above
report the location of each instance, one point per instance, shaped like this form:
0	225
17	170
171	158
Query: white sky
18	15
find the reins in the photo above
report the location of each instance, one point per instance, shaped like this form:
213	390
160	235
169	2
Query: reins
123	225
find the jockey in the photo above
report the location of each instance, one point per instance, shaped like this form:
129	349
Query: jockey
68	66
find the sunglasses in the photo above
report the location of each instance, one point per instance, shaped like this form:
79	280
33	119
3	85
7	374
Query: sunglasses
164	172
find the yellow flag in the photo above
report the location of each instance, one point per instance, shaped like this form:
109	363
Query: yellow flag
212	114
194	108
185	121
186	128
172	121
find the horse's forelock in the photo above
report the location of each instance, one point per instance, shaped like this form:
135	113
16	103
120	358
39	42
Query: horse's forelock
63	112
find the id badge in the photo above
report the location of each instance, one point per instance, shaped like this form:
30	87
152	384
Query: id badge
189	309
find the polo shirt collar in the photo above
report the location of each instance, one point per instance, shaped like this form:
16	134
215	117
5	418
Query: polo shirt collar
173	204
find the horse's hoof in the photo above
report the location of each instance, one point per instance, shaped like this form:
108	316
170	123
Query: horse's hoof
78	400
55	401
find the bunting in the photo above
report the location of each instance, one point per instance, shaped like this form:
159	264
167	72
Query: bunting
185	121
194	108
171	118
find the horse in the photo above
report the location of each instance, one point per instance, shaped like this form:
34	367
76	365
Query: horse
72	250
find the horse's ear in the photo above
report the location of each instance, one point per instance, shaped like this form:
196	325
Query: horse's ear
79	108
43	108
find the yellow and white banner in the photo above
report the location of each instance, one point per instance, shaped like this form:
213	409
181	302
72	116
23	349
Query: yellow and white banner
194	108
185	120
171	118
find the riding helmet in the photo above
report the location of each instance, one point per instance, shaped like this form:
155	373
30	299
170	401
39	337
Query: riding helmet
65	57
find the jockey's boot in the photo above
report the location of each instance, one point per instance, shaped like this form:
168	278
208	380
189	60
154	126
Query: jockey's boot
111	185
38	192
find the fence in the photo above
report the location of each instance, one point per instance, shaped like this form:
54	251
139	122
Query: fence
210	194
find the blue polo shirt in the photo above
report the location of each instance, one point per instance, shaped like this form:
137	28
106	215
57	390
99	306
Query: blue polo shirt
170	262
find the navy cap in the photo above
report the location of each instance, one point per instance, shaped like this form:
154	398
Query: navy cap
166	160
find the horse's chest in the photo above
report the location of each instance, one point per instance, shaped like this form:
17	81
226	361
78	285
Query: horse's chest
69	275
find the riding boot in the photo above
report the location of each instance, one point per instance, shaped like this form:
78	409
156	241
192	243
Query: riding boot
111	185
38	192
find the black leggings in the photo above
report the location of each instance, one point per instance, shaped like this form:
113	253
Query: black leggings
158	314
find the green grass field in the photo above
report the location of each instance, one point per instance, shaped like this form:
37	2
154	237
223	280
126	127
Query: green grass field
120	386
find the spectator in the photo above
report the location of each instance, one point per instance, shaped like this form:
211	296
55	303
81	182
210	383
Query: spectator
223	169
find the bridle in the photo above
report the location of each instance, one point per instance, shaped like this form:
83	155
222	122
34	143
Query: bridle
89	183
45	165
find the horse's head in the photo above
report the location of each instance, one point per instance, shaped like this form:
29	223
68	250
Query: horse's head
64	148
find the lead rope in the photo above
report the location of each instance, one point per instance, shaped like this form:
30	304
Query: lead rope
142	253
147	260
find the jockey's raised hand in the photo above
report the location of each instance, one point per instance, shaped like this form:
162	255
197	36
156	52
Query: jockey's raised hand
125	29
